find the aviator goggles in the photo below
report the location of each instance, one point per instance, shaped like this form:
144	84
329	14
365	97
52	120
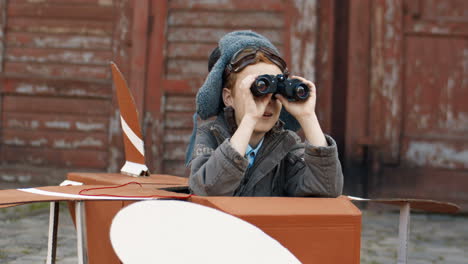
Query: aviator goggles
247	56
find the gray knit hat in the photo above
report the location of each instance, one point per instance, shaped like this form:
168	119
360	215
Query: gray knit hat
209	100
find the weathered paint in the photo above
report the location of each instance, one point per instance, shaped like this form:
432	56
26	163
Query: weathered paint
417	125
223	19
237	5
41	40
177	136
56	88
57	26
386	77
86	142
90	126
73	88
437	154
62	56
180	104
58	124
303	39
212	35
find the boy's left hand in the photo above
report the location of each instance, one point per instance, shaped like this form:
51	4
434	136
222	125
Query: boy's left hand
301	109
304	112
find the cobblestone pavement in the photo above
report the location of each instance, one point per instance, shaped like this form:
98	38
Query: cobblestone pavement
433	238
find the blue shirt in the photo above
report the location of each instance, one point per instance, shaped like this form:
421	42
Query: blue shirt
251	153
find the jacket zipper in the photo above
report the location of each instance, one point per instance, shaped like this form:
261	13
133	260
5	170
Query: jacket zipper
248	174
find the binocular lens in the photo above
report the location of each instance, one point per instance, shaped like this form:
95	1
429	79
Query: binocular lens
301	92
262	86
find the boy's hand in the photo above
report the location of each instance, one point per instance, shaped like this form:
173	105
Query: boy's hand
253	107
304	112
301	109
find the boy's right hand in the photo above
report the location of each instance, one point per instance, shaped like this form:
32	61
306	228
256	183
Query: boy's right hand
253	107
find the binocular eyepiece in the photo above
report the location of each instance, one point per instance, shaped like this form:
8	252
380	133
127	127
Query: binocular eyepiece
291	89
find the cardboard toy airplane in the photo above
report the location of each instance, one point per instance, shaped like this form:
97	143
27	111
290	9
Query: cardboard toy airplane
135	166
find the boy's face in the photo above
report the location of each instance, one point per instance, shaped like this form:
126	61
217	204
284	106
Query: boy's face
272	110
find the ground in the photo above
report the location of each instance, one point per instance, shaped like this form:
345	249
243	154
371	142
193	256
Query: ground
433	239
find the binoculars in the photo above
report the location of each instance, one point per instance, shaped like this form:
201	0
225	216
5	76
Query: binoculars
291	89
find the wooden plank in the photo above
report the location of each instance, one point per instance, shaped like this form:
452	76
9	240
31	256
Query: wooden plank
175	151
186	68
55	122
326	94
196	51
59	26
54	139
3	24
57	70
436	18
176	120
225	19
386	77
440	28
121	47
77	158
70	2
154	103
199	51
60	11
139	53
210	35
358	76
41	55
73	88
42	40
182	87
32	104
188	86
180	104
177	135
238	5
303	39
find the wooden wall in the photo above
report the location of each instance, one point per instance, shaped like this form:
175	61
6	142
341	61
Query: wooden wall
58	112
192	31
56	94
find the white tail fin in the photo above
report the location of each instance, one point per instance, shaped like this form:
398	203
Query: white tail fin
133	140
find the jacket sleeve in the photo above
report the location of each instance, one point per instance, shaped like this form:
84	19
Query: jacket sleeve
314	171
215	171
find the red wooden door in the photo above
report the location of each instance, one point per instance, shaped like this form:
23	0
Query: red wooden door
417	87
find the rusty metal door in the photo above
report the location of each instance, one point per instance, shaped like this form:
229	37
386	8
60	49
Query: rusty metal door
417	122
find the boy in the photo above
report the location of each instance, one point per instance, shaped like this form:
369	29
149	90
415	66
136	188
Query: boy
247	150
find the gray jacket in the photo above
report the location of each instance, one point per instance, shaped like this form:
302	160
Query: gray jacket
284	165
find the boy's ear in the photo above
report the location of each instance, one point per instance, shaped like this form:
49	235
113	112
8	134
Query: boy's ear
227	97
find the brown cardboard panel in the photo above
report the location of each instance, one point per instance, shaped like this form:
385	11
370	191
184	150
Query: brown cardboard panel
117	178
101	212
16	196
311	228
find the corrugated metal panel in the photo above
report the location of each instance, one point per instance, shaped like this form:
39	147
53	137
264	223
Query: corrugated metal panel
56	89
